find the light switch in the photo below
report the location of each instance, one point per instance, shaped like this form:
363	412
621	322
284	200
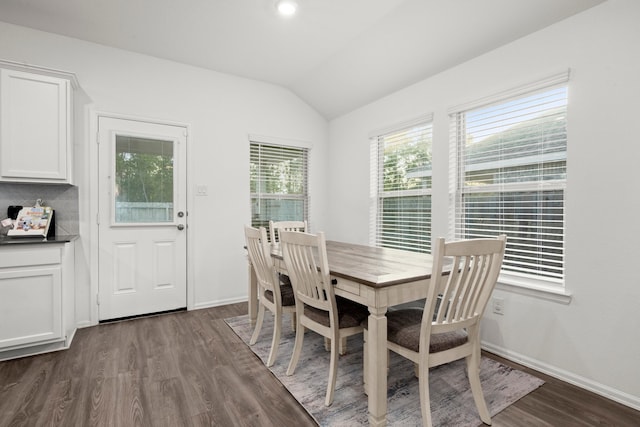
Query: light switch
201	190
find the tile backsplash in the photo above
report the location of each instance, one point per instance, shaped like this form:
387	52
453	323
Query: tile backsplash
62	198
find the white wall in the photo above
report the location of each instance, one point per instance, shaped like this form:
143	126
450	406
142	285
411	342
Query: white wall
221	110
593	341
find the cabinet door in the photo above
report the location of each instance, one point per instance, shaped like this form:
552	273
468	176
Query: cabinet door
30	307
34	127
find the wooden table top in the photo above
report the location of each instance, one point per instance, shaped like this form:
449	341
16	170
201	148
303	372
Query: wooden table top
374	266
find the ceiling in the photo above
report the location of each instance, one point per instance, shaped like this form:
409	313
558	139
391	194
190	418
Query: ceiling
336	55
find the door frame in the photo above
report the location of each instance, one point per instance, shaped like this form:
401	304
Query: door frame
93	196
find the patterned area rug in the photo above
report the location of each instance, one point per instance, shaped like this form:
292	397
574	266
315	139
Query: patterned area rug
451	399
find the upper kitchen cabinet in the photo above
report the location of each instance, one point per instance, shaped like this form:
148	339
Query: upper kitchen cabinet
35	126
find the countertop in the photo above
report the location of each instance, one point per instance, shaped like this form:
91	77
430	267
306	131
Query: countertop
64	238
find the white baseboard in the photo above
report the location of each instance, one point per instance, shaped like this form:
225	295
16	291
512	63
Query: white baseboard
218	303
84	324
569	377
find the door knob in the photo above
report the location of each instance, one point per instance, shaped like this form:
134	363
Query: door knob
180	226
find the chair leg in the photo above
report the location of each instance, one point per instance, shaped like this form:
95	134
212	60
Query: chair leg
425	400
343	346
342	349
275	341
333	370
473	369
256	331
293	321
297	349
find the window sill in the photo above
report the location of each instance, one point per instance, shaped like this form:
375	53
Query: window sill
534	288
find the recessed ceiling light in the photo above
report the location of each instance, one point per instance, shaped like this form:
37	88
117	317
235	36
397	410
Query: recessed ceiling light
287	7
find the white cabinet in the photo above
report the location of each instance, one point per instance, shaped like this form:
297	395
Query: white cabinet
37	309
35	127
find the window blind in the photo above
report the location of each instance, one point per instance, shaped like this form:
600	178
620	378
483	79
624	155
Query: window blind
509	173
401	176
278	183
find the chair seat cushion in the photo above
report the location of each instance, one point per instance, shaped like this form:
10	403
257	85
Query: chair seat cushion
403	328
350	313
284	279
286	292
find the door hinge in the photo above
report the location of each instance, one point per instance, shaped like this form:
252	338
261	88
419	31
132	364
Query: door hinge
98	218
98	138
97	299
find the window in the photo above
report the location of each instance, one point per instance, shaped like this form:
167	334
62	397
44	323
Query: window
401	187
144	180
509	175
278	183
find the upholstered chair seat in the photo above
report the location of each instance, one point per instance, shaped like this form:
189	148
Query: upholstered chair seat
403	328
350	314
286	292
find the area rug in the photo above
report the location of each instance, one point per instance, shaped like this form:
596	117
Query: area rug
451	400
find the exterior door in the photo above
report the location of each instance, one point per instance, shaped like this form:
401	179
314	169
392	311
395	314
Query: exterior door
142	217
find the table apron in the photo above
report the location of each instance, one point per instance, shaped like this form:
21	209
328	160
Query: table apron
381	297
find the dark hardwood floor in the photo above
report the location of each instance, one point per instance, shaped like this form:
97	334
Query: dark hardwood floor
190	369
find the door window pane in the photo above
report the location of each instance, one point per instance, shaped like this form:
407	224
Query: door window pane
144	180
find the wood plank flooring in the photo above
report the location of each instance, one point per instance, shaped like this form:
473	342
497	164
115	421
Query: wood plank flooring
190	369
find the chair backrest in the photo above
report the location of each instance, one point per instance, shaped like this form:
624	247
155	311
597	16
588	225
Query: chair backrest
305	256
464	292
276	226
260	255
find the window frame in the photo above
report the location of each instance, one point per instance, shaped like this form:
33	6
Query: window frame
527	283
377	192
275	144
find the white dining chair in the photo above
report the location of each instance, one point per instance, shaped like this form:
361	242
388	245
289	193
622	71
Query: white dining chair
276	226
273	296
448	328
317	307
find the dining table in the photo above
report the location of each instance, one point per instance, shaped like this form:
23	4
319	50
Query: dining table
378	278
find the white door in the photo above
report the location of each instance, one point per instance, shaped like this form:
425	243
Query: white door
142	217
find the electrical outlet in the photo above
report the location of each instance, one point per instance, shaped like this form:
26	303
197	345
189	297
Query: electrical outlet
498	306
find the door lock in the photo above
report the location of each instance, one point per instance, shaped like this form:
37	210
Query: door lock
180	214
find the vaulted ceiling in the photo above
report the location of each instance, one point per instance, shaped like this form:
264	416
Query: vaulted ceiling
336	55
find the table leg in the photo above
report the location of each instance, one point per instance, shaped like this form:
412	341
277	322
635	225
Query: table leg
377	366
253	295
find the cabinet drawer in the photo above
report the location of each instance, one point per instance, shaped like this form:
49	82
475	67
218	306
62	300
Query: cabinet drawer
33	256
346	285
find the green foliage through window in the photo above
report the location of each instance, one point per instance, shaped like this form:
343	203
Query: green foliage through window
143	180
278	183
403	211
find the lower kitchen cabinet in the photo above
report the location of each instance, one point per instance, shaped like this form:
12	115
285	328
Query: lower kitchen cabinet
37	308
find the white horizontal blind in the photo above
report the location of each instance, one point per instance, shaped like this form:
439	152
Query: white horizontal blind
509	170
401	187
278	181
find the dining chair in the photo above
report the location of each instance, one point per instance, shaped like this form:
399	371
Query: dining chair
277	298
276	226
317	306
448	328
274	237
